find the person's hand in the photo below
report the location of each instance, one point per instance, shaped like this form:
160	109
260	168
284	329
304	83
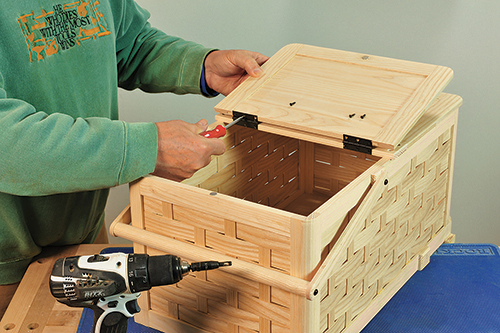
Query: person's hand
182	150
225	70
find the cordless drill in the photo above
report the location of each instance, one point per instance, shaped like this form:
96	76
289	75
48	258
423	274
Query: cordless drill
110	284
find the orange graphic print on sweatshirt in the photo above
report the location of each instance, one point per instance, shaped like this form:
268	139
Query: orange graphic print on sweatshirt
62	27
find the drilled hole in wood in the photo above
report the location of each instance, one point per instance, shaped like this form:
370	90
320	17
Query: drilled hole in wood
33	326
9	327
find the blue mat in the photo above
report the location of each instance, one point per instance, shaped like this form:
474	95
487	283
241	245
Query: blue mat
458	291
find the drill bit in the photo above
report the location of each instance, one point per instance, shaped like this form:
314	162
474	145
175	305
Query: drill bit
208	265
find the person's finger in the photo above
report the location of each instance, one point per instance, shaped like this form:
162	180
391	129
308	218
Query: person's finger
217	145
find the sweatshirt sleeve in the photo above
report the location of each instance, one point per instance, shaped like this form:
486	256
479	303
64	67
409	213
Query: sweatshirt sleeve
45	154
153	61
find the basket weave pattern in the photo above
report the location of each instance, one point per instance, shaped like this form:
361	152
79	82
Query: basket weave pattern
409	213
264	168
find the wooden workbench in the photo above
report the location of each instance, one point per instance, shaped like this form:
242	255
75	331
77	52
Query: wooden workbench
33	308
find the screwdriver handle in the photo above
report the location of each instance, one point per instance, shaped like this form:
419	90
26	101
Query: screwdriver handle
217	132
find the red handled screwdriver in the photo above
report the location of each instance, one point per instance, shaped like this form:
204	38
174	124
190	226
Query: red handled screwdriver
220	130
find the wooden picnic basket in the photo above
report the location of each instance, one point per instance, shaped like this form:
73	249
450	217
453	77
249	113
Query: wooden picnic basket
333	191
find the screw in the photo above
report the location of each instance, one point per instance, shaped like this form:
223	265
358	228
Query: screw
352	115
363	116
293	103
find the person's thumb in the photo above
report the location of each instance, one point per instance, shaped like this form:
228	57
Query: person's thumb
202	125
253	68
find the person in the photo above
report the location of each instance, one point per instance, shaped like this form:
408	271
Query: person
61	144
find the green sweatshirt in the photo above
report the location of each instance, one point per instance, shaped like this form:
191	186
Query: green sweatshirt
61	143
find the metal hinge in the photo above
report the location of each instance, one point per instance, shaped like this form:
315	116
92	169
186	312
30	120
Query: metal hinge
357	144
249	121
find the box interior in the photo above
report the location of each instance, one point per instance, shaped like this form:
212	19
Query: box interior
283	172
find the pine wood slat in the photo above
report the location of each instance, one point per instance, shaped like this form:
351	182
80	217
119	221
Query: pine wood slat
263	238
234	315
209	323
281	298
234	283
238	210
198	218
264	309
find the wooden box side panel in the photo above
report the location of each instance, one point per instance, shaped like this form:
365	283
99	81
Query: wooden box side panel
215	301
234	238
258	167
410	212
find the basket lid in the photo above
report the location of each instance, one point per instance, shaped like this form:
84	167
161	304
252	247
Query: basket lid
327	94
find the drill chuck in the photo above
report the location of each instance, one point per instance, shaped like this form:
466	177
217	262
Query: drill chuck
151	271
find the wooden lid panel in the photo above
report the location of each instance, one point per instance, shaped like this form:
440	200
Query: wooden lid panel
331	93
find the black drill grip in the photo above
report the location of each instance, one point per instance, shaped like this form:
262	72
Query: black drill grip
114	322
